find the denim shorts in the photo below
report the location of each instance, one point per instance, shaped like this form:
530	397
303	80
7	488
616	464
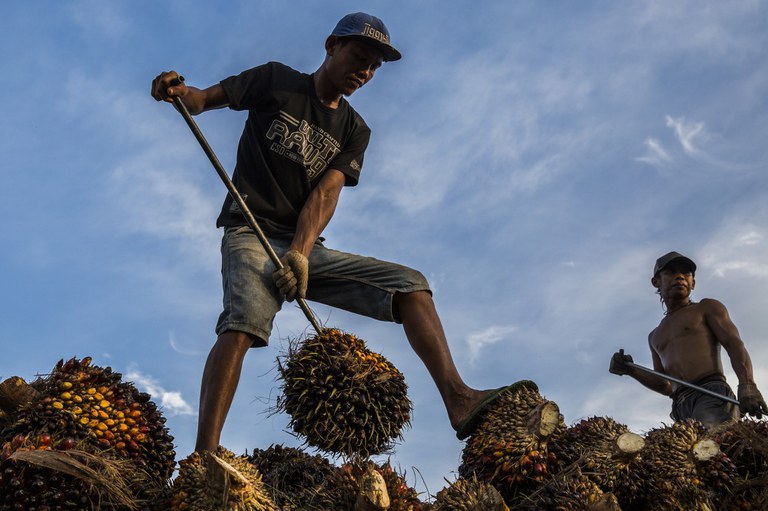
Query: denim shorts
358	284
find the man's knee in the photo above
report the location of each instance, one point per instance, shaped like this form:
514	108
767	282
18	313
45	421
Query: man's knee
241	341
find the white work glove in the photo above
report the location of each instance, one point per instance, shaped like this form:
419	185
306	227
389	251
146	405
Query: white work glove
293	277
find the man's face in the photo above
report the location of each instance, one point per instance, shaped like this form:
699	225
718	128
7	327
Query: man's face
674	281
352	64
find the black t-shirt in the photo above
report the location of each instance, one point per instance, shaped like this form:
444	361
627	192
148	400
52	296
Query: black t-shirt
290	138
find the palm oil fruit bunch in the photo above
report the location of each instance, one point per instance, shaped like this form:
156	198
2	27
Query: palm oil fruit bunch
347	485
220	481
119	418
342	397
569	491
509	448
469	495
605	450
84	408
402	496
25	487
674	463
745	443
290	474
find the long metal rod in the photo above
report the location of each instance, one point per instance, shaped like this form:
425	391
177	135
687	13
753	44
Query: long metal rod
182	108
683	383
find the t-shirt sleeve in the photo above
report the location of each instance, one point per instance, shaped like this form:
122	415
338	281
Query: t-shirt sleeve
244	90
350	159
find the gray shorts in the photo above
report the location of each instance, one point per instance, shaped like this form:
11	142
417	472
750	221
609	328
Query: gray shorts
358	284
709	410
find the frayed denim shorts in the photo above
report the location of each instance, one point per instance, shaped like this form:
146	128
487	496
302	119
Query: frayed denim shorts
355	283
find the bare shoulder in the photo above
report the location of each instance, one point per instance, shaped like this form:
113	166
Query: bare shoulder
713	306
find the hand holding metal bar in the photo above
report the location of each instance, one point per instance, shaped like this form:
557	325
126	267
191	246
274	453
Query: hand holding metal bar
682	382
182	108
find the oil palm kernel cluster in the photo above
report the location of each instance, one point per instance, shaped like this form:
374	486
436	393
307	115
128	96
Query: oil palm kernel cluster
675	462
468	495
745	445
290	474
82	408
509	448
341	397
341	491
606	451
221	481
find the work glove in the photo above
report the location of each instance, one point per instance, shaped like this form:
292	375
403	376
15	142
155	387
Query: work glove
619	363
751	400
293	277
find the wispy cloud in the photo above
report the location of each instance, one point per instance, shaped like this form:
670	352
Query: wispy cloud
655	155
178	348
687	134
171	401
491	335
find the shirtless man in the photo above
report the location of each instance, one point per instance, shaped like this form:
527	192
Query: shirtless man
686	345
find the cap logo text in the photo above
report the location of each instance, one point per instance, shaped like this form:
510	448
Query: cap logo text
380	36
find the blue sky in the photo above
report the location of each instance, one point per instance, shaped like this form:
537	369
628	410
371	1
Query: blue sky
532	158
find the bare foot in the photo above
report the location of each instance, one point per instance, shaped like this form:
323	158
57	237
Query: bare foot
464	406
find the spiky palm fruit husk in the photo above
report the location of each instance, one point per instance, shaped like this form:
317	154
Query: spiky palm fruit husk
75	479
745	443
402	496
606	451
291	475
343	398
89	408
219	481
468	495
509	448
341	490
673	467
570	490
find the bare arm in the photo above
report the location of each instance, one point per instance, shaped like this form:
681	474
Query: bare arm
654	383
167	85
725	332
318	211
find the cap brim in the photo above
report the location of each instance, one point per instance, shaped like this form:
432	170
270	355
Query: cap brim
389	52
681	259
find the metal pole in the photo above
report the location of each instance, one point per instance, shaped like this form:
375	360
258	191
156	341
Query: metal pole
683	383
182	108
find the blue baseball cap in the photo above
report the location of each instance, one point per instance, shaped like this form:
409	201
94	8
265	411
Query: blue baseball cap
368	29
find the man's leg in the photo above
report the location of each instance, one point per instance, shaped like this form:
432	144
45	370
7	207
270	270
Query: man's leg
425	333
220	378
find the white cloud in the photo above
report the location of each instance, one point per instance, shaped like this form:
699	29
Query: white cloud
180	349
170	400
656	155
687	133
491	335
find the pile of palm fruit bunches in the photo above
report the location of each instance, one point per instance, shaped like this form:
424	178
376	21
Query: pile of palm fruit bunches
80	438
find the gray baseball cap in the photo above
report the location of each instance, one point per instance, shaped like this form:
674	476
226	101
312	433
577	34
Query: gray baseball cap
667	259
368	29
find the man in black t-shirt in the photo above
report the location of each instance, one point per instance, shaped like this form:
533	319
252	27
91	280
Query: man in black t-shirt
301	144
